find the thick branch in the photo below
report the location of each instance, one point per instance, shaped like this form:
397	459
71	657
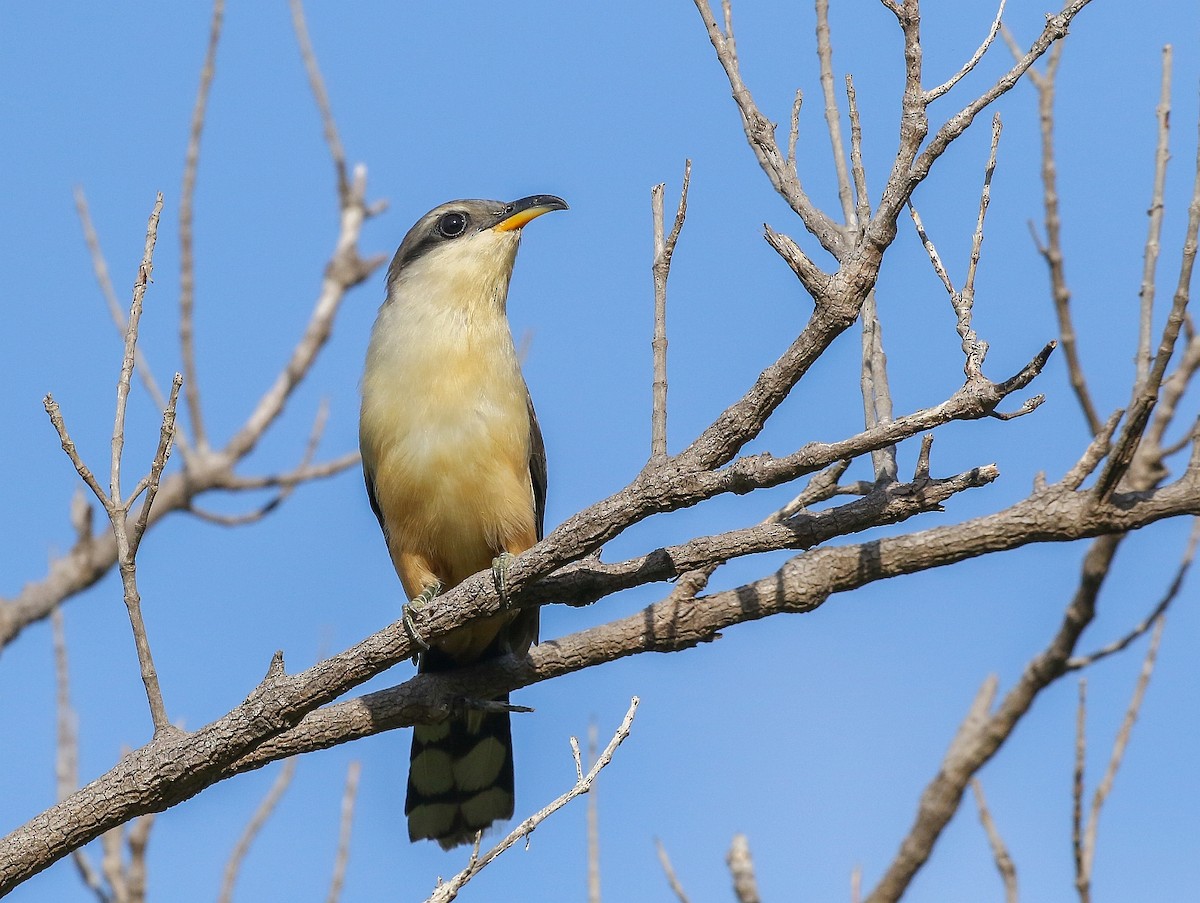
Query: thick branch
803	584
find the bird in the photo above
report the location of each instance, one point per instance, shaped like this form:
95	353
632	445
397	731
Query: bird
455	471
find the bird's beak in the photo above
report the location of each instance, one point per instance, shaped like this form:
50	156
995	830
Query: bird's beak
518	213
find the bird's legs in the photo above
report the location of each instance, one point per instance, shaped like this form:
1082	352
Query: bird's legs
418	602
500	565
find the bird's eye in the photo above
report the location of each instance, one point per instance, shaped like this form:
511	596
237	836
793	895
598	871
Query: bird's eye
452	225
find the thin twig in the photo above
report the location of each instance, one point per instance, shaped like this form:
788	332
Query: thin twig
115	507
985	197
794	130
1082	882
286	482
931	250
253	828
1162	153
1051	251
593	821
127	545
349	796
131	336
112	865
741	868
875	387
151	481
761	135
187	263
66	760
983	731
876	390
833	117
92	557
68	446
973	347
934	93
447	891
344	271
1084	876
665	861
317	83
862	200
1174	387
664	249
300	474
135	869
1004	863
100	267
1146	393
1083	661
66	767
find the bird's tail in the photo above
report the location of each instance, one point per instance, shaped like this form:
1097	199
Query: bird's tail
460	775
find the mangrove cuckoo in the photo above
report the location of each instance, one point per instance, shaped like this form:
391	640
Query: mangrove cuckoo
456	473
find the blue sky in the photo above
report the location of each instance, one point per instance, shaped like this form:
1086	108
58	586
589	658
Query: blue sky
813	735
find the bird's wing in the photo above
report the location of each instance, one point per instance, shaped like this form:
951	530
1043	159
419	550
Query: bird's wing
369	479
537	468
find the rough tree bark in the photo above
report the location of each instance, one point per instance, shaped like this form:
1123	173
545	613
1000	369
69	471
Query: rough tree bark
1121	481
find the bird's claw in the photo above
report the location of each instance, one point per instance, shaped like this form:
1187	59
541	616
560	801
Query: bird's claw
418	602
500	565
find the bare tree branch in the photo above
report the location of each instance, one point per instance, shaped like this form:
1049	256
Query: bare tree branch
973	347
338	880
187	266
1077	774
135	871
672	880
664	249
1087	855
321	96
931	250
447	891
253	827
979	738
91	557
1151	619
1004	863
741	868
283	715
963	302
876	391
862	201
173	767
832	117
801	585
287	483
760	132
1162	154
1051	251
1146	392
593	820
100	266
115	506
66	770
934	93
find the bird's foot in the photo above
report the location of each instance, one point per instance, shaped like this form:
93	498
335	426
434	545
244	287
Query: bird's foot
500	565
418	602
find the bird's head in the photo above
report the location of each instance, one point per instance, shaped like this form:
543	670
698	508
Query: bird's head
470	244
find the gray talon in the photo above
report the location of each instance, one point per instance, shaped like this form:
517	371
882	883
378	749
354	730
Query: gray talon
500	565
426	596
